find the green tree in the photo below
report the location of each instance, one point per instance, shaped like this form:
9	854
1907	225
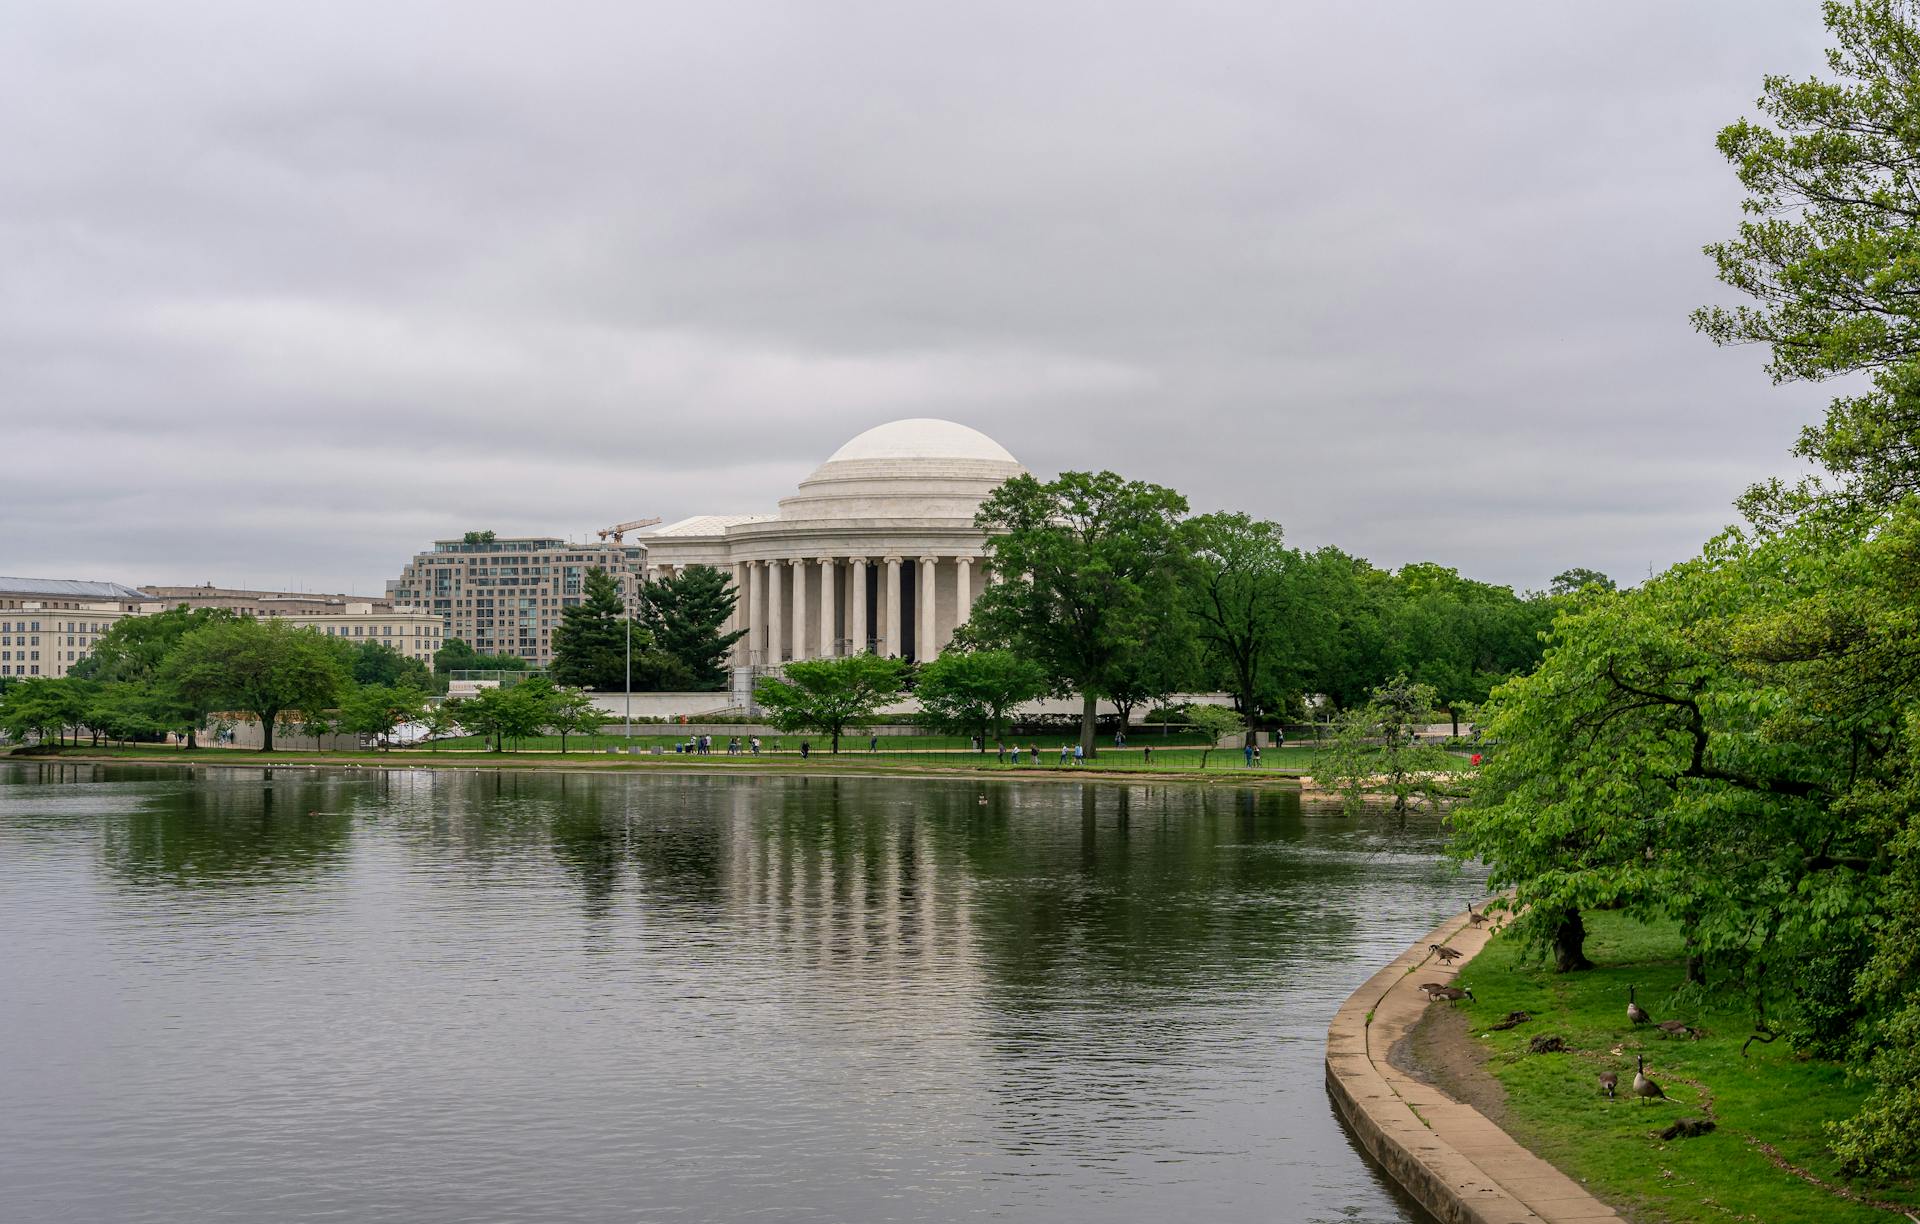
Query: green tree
972	692
590	642
375	710
1376	752
1088	565
45	707
686	616
375	663
829	695
1575	580
506	713
133	650
573	712
1242	602
123	711
259	667
456	655
1832	175
440	719
1215	723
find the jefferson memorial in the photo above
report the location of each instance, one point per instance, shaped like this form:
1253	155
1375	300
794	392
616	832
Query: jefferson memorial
876	551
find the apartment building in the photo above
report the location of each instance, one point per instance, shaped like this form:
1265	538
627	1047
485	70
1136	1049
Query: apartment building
504	595
49	624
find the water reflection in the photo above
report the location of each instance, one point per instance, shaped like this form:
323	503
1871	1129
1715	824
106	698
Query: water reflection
685	997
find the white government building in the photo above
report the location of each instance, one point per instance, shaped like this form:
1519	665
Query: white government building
875	551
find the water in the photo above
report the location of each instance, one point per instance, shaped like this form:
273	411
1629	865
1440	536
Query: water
358	995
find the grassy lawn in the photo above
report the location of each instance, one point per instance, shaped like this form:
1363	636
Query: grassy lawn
780	753
1555	1106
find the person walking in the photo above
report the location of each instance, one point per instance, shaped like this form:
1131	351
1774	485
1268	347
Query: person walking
873	743
805	747
1246	750
755	741
1256	756
1079	754
1065	752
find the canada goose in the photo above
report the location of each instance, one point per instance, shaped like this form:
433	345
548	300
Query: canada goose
1447	955
1453	994
1635	1012
1608	1082
1643	1087
1678	1028
1474	917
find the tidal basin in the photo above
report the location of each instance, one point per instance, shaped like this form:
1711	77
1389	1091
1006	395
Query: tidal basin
304	995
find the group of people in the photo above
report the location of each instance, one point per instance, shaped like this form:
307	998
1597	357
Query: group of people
702	745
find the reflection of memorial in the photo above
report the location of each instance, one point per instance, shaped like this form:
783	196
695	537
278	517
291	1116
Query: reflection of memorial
876	550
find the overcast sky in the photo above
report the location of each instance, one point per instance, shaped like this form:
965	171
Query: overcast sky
287	291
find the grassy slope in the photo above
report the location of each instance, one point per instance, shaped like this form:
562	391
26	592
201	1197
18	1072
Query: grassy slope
1555	1106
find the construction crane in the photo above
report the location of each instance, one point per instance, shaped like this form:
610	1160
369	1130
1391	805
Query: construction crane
619	532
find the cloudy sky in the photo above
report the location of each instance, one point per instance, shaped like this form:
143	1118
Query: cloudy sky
287	291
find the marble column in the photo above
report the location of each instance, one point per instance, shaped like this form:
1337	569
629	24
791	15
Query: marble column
962	592
857	619
927	647
776	612
893	607
750	644
798	629
829	593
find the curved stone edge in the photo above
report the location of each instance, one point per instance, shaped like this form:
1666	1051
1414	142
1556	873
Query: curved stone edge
1445	1153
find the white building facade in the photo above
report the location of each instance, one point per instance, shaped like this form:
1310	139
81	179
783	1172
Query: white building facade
876	551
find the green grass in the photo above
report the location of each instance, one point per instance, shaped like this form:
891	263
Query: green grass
778	753
1555	1106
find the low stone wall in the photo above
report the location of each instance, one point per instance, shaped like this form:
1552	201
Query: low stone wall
1459	1165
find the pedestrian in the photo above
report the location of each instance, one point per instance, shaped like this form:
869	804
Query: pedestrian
1064	753
1246	750
1079	754
1033	750
1000	752
755	741
873	743
804	749
1146	755
1256	756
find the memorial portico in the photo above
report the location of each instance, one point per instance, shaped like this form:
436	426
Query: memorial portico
876	551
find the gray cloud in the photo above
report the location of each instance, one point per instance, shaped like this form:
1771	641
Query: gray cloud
290	291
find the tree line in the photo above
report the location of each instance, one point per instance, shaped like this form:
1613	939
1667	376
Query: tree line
1735	745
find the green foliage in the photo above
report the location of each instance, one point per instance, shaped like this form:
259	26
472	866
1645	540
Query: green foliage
506	713
1374	754
1578	579
829	695
1215	723
456	655
44	707
260	667
572	712
1245	596
590	646
374	710
478	537
1828	250
1089	566
687	616
972	692
380	664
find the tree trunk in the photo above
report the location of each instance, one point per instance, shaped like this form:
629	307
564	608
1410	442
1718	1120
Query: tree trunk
1454	714
1089	706
1569	944
266	729
191	745
836	743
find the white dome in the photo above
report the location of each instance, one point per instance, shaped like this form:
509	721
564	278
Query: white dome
923	438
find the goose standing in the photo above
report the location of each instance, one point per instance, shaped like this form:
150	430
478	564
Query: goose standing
1453	994
1635	1012
1643	1087
1608	1082
1447	955
1474	917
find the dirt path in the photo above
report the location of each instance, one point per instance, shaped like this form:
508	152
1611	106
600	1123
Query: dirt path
1441	1050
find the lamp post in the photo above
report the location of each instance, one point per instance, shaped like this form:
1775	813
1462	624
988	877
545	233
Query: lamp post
628	745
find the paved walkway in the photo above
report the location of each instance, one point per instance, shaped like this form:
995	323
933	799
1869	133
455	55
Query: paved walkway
1446	1153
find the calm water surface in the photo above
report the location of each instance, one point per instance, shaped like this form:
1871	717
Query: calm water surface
359	995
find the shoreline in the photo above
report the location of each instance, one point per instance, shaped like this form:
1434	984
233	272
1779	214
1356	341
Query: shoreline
670	767
1459	1165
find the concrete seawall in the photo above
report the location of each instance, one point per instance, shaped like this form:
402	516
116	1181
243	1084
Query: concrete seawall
1459	1165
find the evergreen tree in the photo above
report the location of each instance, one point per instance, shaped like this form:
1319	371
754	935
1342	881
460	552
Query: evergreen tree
687	615
590	643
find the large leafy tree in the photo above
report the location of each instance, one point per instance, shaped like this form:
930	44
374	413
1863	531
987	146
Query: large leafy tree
830	695
377	663
259	667
1829	255
973	692
1376	753
1243	601
686	615
375	710
455	654
132	652
44	706
1088	566
1460	637
507	712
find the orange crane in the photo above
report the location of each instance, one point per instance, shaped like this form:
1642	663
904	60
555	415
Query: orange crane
619	532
